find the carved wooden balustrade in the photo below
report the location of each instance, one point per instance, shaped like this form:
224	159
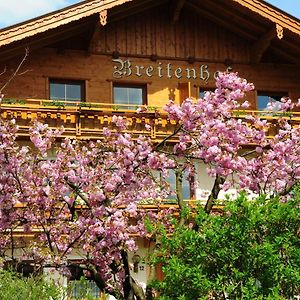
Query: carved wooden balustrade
87	120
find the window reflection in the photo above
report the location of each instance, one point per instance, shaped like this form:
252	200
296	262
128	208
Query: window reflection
132	95
65	90
269	101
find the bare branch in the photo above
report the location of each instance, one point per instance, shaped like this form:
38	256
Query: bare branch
4	71
15	73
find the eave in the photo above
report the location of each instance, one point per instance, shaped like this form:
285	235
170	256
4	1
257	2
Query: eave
56	19
271	13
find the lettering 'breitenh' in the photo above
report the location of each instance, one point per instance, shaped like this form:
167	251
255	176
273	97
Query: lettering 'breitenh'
125	68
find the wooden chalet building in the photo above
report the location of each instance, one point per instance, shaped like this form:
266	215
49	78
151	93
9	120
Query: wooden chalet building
98	58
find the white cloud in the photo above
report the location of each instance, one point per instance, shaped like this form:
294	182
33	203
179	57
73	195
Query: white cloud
15	11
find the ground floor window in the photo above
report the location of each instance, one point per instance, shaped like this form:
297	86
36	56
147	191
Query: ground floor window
80	284
187	185
80	289
26	267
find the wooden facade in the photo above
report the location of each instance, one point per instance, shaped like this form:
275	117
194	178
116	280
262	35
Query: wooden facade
173	49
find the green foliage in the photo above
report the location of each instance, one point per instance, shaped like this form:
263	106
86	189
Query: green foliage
15	287
13	101
58	104
252	251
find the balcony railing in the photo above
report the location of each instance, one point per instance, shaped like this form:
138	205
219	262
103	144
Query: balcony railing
85	120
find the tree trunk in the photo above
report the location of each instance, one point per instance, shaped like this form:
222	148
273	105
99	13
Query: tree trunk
214	194
131	289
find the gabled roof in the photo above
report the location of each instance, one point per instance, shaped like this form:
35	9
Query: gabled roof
90	7
255	20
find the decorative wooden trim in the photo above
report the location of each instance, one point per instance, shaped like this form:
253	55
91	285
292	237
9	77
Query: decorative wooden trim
54	20
88	8
279	30
124	81
103	17
268	12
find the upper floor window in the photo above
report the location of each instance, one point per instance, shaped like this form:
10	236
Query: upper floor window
132	95
67	90
203	90
269	100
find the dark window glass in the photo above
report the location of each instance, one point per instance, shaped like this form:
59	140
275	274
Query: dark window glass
67	90
202	92
127	94
26	268
269	101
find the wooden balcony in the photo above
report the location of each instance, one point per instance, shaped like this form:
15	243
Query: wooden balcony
87	120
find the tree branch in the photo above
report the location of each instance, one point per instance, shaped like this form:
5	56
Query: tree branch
15	73
214	194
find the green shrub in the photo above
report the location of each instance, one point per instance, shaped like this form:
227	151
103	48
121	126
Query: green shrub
14	286
251	251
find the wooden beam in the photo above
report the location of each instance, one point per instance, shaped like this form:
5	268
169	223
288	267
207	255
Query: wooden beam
286	55
94	38
120	13
261	45
43	40
176	9
232	14
221	21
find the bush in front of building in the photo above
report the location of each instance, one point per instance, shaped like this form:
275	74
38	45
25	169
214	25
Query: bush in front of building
249	251
14	286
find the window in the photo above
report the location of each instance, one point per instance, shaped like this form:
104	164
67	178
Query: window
202	91
81	284
186	186
67	90
134	95
269	100
26	268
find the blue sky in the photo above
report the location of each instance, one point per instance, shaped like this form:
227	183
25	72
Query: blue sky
15	11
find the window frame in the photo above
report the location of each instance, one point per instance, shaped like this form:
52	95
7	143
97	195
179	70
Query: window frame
142	86
66	81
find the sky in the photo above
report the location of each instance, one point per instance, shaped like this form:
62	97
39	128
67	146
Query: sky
15	11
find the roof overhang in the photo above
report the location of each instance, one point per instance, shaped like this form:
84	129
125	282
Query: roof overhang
56	19
254	20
